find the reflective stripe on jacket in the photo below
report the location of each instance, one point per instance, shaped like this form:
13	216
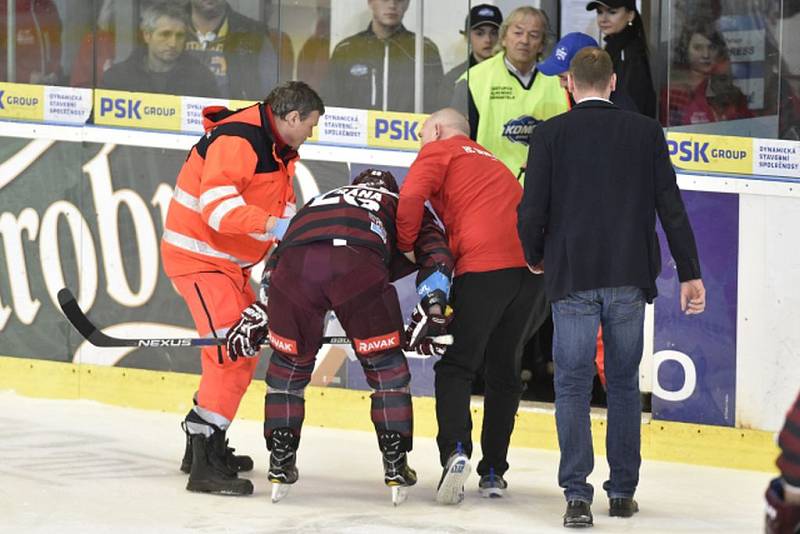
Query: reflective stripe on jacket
236	176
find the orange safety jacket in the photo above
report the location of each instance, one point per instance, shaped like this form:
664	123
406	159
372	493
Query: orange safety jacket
236	176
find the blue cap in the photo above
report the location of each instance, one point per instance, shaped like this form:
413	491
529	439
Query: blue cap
569	45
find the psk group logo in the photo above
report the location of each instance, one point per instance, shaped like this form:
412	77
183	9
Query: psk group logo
137	110
394	130
520	129
712	153
21	101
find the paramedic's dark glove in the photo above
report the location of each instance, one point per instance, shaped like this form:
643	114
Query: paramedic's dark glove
244	339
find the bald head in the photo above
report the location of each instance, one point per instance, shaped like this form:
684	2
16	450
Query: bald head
444	124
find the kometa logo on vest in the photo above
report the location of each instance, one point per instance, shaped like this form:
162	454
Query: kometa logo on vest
520	129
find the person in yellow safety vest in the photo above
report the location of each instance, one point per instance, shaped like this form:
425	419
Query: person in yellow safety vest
505	96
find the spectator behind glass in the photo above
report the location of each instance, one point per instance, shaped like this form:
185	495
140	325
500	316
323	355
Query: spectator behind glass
374	69
481	29
161	65
701	88
281	43
38	42
506	96
97	50
234	48
314	57
626	43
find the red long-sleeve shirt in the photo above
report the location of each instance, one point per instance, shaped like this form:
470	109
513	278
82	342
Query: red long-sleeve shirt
476	197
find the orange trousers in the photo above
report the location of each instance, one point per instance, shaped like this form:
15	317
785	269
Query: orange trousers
216	302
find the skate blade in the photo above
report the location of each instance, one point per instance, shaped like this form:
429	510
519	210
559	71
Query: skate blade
279	491
451	490
399	495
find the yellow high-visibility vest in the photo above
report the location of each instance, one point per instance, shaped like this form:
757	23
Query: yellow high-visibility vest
508	112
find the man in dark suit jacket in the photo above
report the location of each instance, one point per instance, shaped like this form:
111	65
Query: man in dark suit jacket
596	177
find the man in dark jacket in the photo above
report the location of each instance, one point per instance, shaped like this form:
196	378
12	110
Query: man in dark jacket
374	69
482	32
233	47
162	66
597	175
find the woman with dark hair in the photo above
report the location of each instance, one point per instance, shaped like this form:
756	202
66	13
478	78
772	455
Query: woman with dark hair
623	32
701	88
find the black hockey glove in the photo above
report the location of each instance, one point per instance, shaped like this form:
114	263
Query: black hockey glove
426	332
244	339
434	346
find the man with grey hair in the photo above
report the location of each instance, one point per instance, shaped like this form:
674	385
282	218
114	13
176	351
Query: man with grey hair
161	66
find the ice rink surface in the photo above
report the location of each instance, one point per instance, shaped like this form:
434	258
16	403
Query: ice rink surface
84	467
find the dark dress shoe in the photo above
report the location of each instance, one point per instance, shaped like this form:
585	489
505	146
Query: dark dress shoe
578	515
622	507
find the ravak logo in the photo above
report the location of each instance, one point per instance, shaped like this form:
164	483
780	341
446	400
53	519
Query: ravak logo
1	99
165	343
378	343
282	344
520	129
396	129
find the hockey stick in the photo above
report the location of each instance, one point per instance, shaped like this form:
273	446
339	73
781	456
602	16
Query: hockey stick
97	338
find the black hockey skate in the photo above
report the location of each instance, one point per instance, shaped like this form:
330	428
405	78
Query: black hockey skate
210	472
282	461
396	472
238	462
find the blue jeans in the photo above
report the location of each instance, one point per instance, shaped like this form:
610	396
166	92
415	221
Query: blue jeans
576	318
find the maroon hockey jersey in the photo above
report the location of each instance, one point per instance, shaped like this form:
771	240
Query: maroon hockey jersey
365	216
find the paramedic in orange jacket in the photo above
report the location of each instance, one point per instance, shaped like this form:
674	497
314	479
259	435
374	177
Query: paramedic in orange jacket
233	193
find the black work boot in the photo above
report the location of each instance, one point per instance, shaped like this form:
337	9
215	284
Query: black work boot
283	456
578	515
237	462
622	507
396	471
210	472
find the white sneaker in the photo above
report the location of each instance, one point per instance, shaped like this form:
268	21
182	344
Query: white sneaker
456	472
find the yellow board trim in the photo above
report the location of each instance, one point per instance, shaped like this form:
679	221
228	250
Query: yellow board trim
349	409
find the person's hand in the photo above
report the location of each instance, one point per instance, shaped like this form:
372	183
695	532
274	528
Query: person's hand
537	269
434	345
427	324
245	337
693	297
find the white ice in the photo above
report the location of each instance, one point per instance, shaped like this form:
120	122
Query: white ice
84	467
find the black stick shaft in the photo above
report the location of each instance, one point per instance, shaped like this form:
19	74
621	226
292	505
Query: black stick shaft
78	319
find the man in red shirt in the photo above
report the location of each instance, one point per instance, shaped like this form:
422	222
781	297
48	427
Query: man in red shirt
498	304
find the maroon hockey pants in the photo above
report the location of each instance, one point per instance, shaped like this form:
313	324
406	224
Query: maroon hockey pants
354	283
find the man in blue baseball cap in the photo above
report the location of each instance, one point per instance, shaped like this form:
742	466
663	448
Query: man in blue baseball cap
557	63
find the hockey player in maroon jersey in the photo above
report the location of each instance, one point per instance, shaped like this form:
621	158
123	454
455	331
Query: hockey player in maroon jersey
783	493
339	253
